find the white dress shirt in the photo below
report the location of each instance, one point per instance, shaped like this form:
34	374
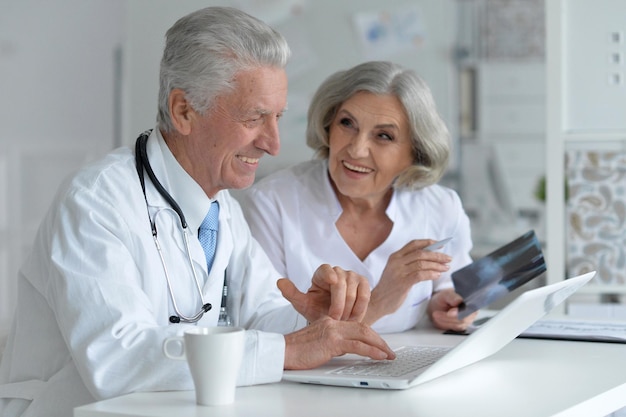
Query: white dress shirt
293	212
93	303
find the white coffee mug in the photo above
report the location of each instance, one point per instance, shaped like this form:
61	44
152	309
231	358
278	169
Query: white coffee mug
214	356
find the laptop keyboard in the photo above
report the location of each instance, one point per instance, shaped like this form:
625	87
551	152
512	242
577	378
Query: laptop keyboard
408	359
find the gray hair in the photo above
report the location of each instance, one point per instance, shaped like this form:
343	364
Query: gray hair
207	48
429	134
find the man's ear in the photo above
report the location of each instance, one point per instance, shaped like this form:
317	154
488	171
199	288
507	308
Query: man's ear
181	111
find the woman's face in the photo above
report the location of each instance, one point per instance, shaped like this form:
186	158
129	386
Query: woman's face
370	145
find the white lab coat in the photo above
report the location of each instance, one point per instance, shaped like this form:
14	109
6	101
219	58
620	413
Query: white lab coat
293	215
93	304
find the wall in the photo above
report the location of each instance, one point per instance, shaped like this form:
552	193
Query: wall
67	96
503	118
57	111
323	38
78	84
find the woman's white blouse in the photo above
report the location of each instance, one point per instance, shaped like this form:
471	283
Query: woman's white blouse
292	213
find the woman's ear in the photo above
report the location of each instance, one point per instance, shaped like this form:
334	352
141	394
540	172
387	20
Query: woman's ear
181	111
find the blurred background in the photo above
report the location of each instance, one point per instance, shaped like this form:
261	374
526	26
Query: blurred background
80	77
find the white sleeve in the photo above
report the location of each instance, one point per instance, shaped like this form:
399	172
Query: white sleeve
96	289
460	246
264	217
258	303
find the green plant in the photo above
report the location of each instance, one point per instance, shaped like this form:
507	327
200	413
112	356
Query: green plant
540	189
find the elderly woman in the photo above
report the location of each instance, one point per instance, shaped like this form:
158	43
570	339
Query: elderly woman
370	202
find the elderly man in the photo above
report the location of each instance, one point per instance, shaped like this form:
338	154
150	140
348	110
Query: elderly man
118	265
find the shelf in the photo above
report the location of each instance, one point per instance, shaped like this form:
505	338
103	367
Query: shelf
599	136
582	114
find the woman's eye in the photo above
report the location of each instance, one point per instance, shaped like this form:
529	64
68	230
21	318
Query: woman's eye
344	121
385	136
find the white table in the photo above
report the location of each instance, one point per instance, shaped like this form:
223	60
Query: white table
527	378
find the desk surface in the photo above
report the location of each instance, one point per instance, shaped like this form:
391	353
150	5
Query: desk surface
526	378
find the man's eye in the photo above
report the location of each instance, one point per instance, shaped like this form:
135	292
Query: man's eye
255	121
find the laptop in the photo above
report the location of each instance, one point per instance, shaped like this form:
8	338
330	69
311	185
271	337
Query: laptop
525	310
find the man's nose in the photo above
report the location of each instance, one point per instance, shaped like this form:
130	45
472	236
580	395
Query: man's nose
270	139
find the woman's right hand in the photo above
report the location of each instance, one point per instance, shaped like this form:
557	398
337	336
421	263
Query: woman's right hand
405	268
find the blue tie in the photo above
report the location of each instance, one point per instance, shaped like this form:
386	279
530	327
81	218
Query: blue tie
207	233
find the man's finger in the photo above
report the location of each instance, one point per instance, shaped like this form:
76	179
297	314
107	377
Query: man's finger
289	290
337	294
366	343
352	287
362	302
324	276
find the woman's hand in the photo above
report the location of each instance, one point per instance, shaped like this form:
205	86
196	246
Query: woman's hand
405	268
443	310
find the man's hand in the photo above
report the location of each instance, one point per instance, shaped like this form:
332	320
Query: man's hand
443	311
405	268
334	292
326	338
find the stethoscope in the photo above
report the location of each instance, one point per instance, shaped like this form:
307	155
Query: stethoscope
142	163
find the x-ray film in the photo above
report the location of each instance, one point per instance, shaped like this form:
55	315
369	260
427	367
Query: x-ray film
498	273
